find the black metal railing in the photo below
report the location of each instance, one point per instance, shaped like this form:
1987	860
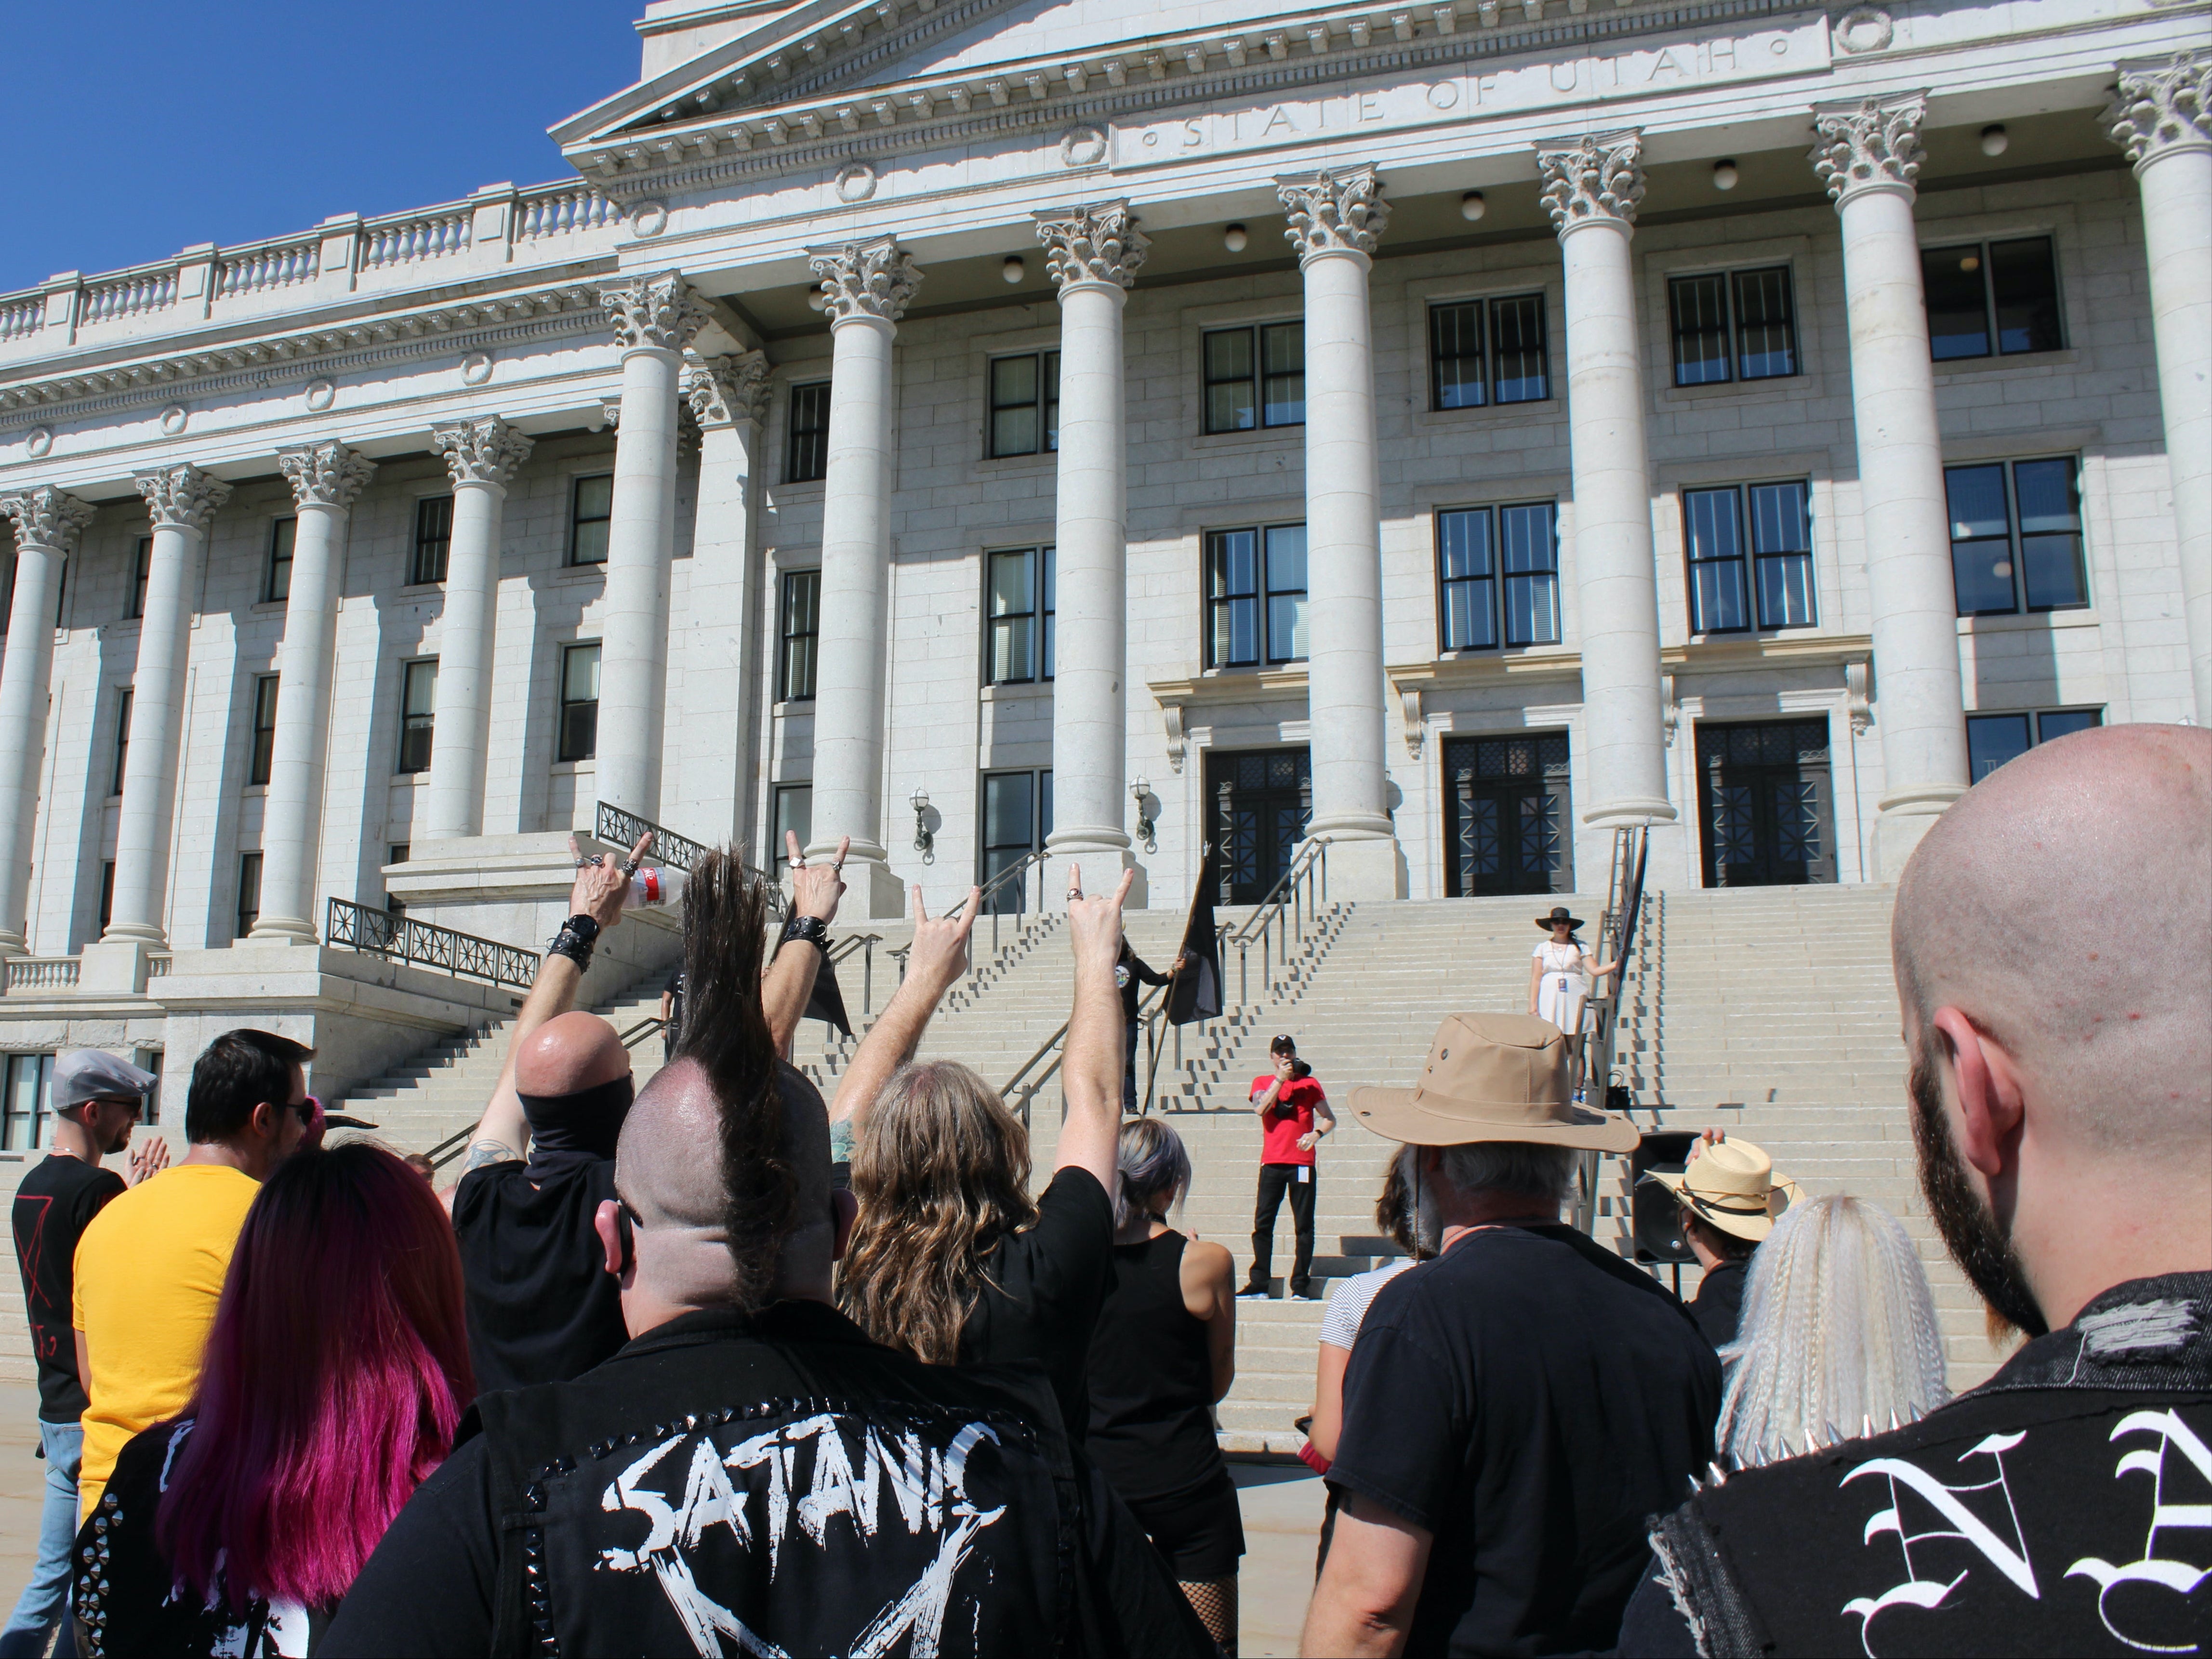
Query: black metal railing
1279	924
381	933
1616	935
617	827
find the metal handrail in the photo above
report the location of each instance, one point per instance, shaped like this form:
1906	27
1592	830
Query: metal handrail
450	1148
381	933
1616	932
865	944
644	1029
619	828
1294	902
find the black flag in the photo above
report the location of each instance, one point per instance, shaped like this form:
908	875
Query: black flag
1196	993
828	1002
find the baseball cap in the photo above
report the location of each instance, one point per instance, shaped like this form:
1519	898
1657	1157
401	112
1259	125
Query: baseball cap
82	1074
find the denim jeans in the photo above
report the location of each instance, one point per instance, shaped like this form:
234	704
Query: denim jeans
44	1600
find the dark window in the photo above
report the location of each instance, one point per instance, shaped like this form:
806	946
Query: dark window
2016	536
282	535
794	814
1498	572
1255	377
418	712
802	628
106	894
1021	615
1488	351
264	729
1993	740
1778	588
807	455
395	905
399	850
1016	819
1255	584
590	509
434	539
580	702
23	1114
249	892
1026	403
122	740
1733	325
143	574
1508	822
1984	292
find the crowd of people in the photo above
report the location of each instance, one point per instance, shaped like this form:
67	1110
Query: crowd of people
715	1366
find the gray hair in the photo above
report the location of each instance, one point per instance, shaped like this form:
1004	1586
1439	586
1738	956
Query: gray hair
1154	1167
1511	1166
1838	1334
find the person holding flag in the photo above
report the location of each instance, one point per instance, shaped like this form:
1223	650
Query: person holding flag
1131	970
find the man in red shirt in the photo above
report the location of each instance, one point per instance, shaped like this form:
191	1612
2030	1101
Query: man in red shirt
1293	1116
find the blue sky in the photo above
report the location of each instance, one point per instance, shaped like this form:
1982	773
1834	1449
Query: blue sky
135	128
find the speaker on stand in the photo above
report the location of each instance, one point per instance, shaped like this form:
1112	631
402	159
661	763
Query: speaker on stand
1655	1218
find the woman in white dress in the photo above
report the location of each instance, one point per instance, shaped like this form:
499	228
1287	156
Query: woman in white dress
1561	974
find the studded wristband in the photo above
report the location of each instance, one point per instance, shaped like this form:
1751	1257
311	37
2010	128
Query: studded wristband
813	929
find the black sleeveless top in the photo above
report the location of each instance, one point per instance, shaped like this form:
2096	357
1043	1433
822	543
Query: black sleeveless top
1151	1380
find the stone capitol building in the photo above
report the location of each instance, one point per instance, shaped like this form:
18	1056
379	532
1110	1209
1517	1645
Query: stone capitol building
989	429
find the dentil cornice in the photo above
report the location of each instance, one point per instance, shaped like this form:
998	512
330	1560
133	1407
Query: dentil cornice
1097	244
326	474
46	517
181	497
876	279
731	391
1335	211
653	313
483	450
1873	144
1598	179
2161	107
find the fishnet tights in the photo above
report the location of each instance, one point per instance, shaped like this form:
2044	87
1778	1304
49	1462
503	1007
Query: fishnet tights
1214	1601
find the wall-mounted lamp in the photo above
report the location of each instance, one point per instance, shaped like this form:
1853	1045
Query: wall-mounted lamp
1995	141
925	843
1233	238
1472	206
1724	175
1142	792
1013	271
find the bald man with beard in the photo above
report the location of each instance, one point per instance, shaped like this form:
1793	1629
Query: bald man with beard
2053	951
751	1474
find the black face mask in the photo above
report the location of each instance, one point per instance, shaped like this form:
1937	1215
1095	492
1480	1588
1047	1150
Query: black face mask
1976	1241
569	1131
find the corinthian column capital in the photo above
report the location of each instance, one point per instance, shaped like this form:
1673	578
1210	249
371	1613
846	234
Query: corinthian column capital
484	451
876	279
1873	144
1098	244
658	313
729	390
1597	179
1335	211
47	518
324	475
2162	106
181	497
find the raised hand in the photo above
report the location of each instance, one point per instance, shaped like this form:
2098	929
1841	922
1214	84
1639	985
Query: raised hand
602	884
939	954
149	1157
1094	923
816	888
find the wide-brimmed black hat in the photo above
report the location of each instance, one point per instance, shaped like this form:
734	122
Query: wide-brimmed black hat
1558	915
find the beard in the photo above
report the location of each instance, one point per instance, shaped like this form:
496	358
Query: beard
1977	1242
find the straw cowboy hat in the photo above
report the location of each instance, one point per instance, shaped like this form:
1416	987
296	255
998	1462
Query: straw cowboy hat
1492	1076
1731	1185
1560	913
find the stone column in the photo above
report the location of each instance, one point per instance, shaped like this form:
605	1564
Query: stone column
2162	118
655	318
1867	155
325	480
47	525
482	455
1592	186
1336	220
713	752
866	289
181	502
1094	253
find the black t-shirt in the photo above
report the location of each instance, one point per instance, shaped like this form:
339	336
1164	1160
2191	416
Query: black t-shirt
1718	1305
763	1484
542	1306
2061	1507
1530	1400
53	1206
1042	1289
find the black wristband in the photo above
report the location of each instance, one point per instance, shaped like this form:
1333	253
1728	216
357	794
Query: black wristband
813	929
585	927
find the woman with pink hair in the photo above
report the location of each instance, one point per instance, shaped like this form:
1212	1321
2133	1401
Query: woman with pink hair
335	1372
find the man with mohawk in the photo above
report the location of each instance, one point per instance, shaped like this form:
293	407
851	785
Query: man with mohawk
752	1475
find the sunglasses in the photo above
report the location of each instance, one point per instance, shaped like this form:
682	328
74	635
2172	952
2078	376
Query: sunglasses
309	1110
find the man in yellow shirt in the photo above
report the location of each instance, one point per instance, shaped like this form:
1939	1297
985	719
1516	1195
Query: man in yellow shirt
150	1267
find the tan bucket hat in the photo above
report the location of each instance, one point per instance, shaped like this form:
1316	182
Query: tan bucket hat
1492	1076
1731	1185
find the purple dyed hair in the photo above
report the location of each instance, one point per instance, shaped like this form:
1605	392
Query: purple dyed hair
336	1371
